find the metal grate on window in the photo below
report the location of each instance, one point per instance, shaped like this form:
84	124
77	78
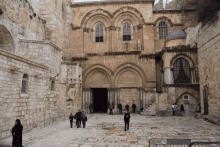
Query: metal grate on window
126	32
176	66
24	83
99	33
163	32
52	85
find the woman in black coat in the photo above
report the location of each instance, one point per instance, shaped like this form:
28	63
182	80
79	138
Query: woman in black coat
17	134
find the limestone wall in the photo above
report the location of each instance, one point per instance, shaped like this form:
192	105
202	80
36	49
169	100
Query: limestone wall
38	107
71	87
208	55
21	12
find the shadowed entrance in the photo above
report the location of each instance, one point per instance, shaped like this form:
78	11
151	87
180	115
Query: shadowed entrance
100	99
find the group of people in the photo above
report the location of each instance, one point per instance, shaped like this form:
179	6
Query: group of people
120	108
80	117
182	110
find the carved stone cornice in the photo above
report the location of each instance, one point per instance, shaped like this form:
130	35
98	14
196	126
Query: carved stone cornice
112	28
74	27
21	59
139	26
86	30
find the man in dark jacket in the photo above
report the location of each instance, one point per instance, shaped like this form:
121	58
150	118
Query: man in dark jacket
90	108
126	120
120	108
71	119
127	107
133	108
78	118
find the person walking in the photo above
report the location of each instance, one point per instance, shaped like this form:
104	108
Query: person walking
198	108
71	120
90	108
17	134
173	109
84	119
110	108
127	107
126	120
78	118
182	109
133	108
120	108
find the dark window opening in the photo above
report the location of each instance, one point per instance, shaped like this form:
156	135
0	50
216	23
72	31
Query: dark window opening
126	32
181	73
99	33
52	85
24	83
163	30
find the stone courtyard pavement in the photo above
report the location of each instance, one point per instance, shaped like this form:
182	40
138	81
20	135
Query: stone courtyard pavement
108	130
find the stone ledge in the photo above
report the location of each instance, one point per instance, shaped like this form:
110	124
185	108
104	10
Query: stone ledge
42	42
16	57
111	2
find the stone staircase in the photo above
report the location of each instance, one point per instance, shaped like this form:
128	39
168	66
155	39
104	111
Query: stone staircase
150	109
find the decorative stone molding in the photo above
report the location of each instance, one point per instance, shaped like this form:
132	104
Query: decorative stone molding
38	74
13	68
42	42
112	28
140	27
74	27
86	30
18	58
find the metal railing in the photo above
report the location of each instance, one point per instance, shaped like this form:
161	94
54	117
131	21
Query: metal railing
167	142
201	144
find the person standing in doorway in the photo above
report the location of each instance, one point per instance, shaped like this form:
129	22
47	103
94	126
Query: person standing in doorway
110	108
133	107
120	108
84	119
127	107
90	108
17	134
173	109
71	120
182	109
198	108
127	120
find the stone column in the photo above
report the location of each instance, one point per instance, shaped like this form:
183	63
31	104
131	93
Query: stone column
144	101
83	100
138	99
116	101
168	75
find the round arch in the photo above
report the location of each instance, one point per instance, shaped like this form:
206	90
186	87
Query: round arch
97	14
127	12
97	69
6	40
132	67
163	18
187	58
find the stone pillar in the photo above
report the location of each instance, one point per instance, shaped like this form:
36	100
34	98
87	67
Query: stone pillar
141	92
144	101
168	75
83	100
138	99
116	100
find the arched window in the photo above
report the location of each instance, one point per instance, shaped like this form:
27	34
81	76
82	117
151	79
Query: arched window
24	83
52	85
163	30
181	73
99	33
126	32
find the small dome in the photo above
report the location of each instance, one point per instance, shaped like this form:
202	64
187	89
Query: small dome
175	34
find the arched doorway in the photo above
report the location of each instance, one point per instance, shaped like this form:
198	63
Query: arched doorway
6	41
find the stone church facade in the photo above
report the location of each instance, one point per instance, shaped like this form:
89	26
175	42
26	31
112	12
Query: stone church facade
57	57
